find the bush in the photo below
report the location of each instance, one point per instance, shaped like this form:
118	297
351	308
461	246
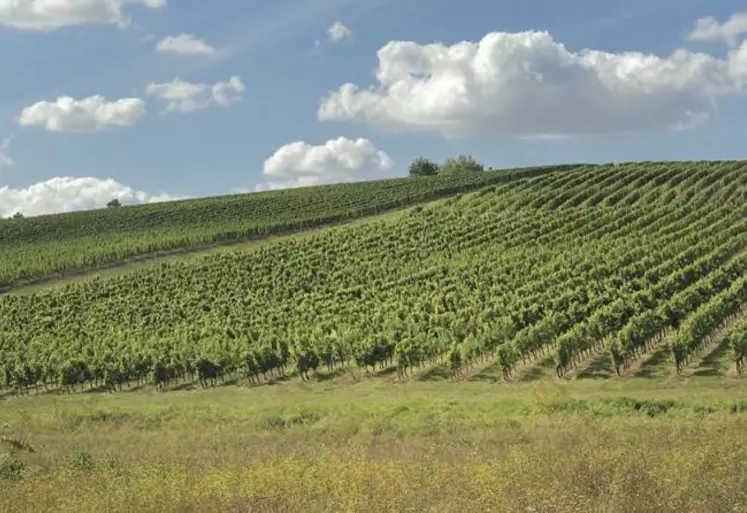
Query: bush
11	468
461	164
423	167
80	461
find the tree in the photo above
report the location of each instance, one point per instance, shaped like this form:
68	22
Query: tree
421	166
461	164
113	203
17	215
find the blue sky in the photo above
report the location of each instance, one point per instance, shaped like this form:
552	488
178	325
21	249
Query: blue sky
288	65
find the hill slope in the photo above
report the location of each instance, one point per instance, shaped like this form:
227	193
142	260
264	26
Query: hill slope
39	247
597	259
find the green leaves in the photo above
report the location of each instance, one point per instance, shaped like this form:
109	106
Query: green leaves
461	164
41	246
530	264
423	167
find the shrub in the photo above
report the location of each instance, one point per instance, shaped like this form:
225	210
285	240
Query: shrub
461	164
423	167
11	467
80	461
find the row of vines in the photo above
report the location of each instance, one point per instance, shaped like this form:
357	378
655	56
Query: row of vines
509	273
37	247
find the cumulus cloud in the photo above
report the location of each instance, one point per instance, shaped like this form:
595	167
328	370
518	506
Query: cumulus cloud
299	164
66	194
55	14
337	32
528	85
67	114
185	44
5	160
708	29
182	96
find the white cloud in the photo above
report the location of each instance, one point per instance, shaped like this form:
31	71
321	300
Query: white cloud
185	44
738	66
67	114
299	164
227	93
337	32
5	160
66	194
55	14
528	85
184	96
708	29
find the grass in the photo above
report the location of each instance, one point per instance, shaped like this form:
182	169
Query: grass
716	362
376	445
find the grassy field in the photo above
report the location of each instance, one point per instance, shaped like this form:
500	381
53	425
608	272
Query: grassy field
375	444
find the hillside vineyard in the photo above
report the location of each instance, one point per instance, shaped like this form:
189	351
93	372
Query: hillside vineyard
41	246
576	262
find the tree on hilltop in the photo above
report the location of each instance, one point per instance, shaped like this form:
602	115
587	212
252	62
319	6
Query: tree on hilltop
422	166
461	164
114	203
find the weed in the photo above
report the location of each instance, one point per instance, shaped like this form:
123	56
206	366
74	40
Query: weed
11	467
80	461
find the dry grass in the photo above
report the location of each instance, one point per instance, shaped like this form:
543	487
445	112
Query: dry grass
376	446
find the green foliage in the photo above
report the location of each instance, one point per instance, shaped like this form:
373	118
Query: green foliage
11	467
113	203
44	245
80	461
539	267
737	341
423	167
697	329
461	164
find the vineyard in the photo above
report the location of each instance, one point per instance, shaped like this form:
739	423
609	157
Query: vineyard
576	266
39	247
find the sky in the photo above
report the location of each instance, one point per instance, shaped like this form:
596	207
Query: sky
151	100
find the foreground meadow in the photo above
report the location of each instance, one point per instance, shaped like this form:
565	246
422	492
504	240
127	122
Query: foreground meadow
377	445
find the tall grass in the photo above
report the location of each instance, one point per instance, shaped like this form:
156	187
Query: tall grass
380	447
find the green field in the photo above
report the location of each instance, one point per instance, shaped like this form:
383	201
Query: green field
550	339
